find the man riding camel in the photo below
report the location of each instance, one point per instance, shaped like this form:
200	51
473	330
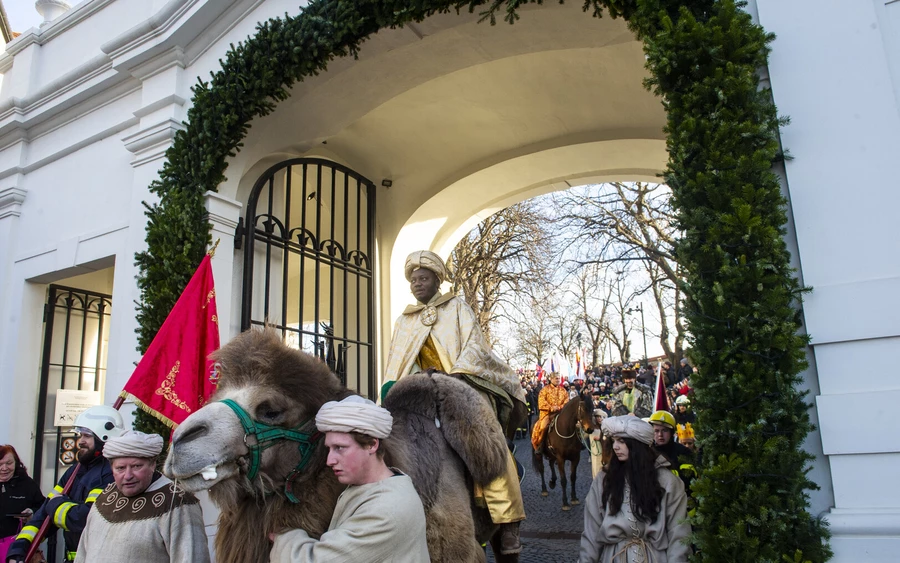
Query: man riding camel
551	400
441	332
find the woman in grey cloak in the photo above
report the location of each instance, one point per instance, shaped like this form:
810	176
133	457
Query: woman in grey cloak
636	510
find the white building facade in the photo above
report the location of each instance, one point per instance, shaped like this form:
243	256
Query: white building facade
441	123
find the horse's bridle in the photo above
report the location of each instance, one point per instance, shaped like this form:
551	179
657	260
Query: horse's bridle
259	436
578	429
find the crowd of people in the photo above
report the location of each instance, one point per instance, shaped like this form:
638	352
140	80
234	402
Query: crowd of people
633	386
116	506
636	510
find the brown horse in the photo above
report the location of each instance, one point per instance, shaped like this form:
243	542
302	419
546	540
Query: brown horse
563	442
606	451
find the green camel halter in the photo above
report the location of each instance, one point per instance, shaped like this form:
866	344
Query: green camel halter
259	436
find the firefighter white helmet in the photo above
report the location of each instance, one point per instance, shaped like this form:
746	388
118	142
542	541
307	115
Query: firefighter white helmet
103	421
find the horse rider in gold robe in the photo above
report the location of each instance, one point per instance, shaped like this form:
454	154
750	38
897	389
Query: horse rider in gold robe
551	400
442	332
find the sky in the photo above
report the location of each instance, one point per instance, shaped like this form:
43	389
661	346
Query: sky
22	14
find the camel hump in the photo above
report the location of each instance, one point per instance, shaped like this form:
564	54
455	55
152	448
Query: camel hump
465	419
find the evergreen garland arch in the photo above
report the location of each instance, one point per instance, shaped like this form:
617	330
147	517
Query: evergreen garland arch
742	299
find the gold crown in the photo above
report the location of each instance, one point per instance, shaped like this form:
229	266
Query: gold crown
685	432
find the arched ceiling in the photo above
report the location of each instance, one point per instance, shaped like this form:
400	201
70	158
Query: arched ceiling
466	118
434	102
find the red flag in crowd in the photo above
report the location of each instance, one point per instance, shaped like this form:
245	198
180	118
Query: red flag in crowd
662	399
176	377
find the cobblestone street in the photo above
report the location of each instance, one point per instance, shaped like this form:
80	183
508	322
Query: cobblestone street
550	535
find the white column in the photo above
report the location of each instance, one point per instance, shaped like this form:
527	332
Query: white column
11	199
224	214
161	114
844	135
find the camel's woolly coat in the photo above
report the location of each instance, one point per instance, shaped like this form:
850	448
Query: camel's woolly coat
438	414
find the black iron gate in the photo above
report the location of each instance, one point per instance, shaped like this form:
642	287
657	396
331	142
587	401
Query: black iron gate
308	241
76	333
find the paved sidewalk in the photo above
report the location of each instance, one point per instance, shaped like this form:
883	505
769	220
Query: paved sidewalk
550	535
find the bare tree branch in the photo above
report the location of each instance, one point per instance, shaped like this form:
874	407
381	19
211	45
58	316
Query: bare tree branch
626	223
504	256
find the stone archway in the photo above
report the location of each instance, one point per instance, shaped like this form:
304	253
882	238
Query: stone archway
464	128
722	140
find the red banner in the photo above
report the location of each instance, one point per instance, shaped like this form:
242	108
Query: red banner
176	377
662	399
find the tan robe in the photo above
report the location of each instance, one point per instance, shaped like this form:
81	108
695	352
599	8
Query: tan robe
596	452
623	538
377	522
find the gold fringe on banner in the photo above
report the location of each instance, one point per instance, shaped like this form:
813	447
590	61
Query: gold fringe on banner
155	414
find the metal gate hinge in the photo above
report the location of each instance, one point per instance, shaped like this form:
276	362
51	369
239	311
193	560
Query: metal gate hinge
239	234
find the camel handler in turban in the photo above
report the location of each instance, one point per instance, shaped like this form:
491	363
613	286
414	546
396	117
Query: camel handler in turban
379	516
143	516
441	332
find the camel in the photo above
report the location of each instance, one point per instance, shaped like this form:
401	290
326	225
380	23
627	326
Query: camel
280	389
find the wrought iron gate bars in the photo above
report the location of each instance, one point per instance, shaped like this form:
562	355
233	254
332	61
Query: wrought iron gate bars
89	302
307	244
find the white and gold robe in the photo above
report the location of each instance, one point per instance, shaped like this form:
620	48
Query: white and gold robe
459	342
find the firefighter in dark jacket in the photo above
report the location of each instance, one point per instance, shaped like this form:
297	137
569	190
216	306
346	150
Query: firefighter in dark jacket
680	457
69	512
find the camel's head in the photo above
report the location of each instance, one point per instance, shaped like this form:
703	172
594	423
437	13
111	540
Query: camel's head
273	385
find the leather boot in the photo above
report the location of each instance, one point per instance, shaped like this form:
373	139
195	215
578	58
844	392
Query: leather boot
509	539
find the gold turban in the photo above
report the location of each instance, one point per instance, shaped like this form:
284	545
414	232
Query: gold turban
133	444
428	260
628	427
355	414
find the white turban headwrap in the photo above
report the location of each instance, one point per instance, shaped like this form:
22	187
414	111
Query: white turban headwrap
133	444
355	414
428	260
628	427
